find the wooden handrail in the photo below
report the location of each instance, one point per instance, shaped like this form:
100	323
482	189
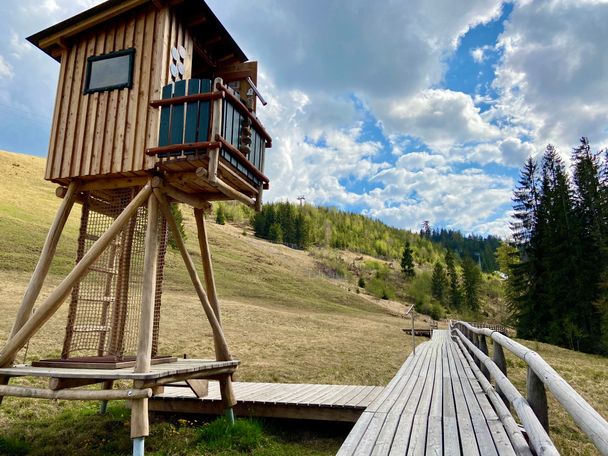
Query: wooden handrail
179	147
187	99
238	104
539	438
240	155
585	416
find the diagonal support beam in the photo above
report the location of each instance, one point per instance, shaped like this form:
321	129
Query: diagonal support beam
56	298
203	242
221	347
42	268
226	390
46	257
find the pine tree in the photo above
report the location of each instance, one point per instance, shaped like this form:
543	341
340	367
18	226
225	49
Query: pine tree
220	217
439	283
523	273
302	231
454	282
275	233
471	279
590	211
407	261
557	243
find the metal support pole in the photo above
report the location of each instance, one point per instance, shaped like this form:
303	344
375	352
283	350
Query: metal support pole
138	446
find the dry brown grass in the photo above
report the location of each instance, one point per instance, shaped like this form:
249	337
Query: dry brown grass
283	324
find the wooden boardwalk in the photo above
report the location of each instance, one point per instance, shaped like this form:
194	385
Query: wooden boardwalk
278	400
433	406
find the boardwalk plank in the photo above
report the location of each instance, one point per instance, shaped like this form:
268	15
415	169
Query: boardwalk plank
480	425
468	441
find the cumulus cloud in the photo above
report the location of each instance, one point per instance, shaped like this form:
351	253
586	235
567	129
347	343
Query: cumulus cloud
551	78
470	200
441	118
374	50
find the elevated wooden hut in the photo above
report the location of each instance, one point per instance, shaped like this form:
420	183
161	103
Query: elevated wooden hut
156	104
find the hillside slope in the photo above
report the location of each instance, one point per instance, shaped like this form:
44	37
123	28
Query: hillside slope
283	322
282	318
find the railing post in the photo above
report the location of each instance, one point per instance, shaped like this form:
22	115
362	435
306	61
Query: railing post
475	339
483	346
413	332
537	398
499	359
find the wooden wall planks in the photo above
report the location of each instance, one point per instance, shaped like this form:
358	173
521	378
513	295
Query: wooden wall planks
108	132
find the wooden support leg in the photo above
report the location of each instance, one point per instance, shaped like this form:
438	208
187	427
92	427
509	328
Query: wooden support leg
56	298
146	320
46	257
103	407
221	347
139	411
207	265
42	268
226	389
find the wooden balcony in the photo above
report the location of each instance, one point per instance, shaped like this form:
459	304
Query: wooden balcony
207	131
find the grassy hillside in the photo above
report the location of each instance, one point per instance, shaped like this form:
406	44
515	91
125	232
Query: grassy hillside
284	319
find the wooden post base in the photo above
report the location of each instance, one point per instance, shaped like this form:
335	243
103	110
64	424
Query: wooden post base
140	424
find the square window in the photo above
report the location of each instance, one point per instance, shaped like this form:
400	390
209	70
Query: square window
110	71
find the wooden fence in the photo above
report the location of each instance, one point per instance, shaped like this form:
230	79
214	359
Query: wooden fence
540	376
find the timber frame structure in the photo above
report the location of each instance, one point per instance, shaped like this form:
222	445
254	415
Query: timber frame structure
168	116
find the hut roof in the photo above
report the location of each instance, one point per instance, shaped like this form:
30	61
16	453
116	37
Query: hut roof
224	48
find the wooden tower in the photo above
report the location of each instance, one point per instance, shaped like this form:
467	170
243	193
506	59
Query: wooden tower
155	105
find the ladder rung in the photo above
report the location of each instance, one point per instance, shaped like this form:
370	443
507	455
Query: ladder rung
90	328
102	299
94	237
103	270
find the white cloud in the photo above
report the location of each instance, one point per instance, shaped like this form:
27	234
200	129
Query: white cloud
478	54
6	70
551	78
441	118
470	200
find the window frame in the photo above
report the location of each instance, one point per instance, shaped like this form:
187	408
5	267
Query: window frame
96	58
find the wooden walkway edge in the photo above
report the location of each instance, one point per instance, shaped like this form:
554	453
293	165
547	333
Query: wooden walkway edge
434	405
276	400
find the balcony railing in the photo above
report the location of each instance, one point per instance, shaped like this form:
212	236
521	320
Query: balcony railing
190	127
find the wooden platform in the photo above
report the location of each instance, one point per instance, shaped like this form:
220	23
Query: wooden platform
434	405
277	400
187	368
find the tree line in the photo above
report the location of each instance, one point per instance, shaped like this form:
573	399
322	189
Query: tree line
456	288
481	249
556	265
307	225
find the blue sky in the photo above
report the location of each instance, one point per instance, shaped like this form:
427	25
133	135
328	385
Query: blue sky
407	111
